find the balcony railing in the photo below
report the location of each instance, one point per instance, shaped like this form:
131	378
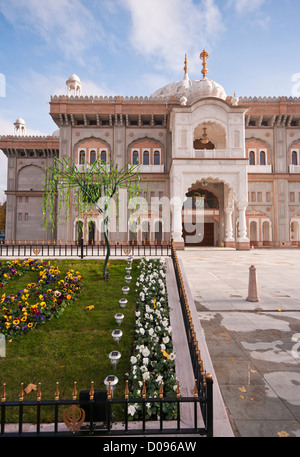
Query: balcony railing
237	153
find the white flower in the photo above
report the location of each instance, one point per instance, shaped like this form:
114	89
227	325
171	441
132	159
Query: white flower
145	360
133	359
146	375
131	410
146	352
166	339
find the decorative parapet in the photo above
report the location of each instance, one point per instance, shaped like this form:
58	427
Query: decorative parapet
107	98
269	99
28	137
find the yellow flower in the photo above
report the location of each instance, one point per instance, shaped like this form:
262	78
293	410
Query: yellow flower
30	325
69	297
43	304
7	324
24	318
90	307
165	353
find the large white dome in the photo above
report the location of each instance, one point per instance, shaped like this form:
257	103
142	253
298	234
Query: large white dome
192	89
195	89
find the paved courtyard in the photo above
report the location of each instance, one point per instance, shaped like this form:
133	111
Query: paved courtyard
254	346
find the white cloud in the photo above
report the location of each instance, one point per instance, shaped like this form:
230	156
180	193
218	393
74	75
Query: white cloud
246	6
67	24
92	88
165	30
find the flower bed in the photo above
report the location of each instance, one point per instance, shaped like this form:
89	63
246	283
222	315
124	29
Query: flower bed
153	359
48	296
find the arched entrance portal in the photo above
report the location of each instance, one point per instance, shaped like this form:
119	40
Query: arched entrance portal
200	218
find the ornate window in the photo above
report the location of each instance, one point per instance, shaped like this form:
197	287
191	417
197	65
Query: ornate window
135	157
262	158
294	158
93	156
156	157
146	158
82	157
251	158
103	156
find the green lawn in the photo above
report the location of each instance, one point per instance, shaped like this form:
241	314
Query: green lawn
74	347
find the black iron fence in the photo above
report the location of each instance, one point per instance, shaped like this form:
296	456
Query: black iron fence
82	249
93	414
198	368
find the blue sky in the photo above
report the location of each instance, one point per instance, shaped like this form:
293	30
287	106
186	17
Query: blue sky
134	47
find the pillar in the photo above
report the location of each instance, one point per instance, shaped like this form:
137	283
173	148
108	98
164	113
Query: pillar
176	231
243	242
229	240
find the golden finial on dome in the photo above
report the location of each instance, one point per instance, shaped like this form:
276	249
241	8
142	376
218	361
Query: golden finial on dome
185	65
203	56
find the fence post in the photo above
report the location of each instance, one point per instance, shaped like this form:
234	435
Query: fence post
81	248
209	399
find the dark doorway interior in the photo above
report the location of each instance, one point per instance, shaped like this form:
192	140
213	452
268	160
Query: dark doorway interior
208	238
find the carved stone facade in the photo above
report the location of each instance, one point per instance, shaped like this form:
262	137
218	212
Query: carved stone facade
188	137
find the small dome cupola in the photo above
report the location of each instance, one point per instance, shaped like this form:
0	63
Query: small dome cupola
20	127
74	84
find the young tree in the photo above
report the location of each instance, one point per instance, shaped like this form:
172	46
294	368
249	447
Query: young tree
91	187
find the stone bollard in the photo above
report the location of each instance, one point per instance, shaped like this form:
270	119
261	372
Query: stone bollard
252	287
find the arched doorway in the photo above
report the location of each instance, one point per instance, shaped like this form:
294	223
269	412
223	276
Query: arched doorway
79	230
200	213
295	233
92	231
253	232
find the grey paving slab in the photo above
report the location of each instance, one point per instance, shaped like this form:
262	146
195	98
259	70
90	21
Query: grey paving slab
254	347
